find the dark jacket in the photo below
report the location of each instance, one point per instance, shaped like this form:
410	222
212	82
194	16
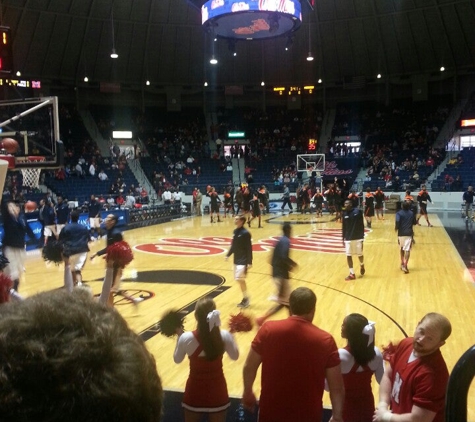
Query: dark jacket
75	238
241	247
14	228
113	235
353	225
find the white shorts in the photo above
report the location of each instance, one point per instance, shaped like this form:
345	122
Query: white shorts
50	230
283	290
77	261
354	247
405	242
240	272
94	222
59	227
16	256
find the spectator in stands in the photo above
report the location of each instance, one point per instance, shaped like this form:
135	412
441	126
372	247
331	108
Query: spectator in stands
79	353
102	176
130	200
143	196
120	200
448	180
92	169
110	201
60	174
79	171
167	196
457	185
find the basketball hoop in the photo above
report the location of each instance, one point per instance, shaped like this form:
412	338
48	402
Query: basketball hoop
31	175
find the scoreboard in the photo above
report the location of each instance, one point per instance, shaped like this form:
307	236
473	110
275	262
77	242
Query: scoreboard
294	90
6	55
20	83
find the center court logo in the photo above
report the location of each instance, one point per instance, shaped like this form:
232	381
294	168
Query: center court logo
325	241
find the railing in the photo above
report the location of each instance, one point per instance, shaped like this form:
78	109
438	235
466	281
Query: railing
457	389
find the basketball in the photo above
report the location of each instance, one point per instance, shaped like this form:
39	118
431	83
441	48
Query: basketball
9	145
30	206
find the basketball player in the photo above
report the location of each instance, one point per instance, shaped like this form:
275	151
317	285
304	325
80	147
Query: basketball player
214	202
241	247
15	227
353	236
379	204
369	207
404	228
255	206
282	264
94	214
62	214
318	202
75	238
422	198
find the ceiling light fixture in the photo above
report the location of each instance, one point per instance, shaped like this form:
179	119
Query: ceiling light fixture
205	84
379	76
86	79
442	69
114	54
147	83
213	60
18	73
310	55
320	81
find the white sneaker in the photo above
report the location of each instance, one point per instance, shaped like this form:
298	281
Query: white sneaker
138	299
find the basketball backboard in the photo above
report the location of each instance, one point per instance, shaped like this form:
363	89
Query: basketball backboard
34	124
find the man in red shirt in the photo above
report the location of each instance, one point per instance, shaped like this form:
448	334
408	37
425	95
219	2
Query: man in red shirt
415	382
296	357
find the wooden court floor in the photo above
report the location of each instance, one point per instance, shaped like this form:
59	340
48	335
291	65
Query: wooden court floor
177	263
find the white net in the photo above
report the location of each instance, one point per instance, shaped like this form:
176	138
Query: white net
31	177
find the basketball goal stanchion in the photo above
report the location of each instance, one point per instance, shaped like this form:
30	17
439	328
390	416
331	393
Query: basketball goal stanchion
31	175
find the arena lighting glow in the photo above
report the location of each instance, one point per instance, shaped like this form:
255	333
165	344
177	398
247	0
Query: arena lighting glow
236	135
467	123
251	19
122	134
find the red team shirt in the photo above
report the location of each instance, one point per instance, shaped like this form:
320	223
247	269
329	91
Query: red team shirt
293	392
422	382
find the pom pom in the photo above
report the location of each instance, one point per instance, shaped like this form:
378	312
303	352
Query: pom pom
6	284
170	322
120	253
239	323
3	262
53	251
388	351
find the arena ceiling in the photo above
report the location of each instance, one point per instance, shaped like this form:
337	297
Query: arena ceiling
163	41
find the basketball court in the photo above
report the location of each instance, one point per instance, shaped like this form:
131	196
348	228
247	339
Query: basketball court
178	262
